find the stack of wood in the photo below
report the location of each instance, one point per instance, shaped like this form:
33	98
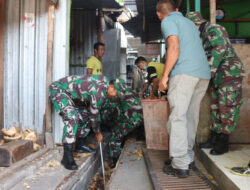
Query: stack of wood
16	133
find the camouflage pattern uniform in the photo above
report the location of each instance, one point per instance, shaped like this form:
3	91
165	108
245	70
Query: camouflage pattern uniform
125	114
78	100
227	72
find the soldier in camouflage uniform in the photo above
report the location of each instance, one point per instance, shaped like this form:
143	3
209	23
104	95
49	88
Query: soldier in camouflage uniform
125	114
227	72
78	100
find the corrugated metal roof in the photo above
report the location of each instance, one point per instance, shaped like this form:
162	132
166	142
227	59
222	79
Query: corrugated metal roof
148	25
130	4
95	4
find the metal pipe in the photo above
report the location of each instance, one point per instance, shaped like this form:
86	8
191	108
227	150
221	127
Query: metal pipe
103	167
188	6
198	5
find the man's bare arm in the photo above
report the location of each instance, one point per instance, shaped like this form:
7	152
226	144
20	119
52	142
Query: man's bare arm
89	71
171	59
144	88
155	87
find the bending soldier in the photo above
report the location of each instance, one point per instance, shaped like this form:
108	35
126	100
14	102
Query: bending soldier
125	113
78	100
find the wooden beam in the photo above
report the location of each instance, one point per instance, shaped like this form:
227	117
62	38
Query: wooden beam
100	33
1	60
235	20
48	120
213	11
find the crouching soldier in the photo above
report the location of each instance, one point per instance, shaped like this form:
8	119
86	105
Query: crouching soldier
125	113
154	75
78	100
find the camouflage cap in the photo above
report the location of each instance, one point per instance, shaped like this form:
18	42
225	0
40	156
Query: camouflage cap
196	17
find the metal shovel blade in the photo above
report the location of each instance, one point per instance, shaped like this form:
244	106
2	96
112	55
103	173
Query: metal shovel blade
103	170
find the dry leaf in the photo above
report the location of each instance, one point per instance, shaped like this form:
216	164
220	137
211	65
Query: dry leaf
131	140
10	133
31	136
139	152
26	185
128	153
210	177
85	154
106	165
52	163
77	155
93	146
9	139
36	147
42	168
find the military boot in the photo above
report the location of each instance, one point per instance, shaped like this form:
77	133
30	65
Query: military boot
68	160
211	141
221	145
82	147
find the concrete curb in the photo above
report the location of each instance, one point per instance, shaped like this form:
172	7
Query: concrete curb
25	168
223	181
23	162
80	179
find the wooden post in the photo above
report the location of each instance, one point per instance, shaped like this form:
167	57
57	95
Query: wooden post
188	6
1	60
198	5
100	33
48	122
213	11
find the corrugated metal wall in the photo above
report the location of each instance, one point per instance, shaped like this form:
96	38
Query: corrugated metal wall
25	50
60	57
82	38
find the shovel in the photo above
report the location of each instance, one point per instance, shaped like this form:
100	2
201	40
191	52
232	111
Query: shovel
103	170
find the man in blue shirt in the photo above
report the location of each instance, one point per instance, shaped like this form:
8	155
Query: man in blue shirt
188	73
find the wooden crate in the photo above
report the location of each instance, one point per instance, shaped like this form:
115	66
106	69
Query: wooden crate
156	113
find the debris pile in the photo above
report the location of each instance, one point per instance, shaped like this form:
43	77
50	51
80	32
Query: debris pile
97	181
16	133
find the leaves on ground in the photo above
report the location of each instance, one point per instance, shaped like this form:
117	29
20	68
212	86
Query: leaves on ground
93	146
26	185
52	164
97	181
81	155
131	140
210	177
137	152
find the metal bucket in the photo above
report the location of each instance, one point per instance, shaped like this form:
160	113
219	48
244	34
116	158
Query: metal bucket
156	113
